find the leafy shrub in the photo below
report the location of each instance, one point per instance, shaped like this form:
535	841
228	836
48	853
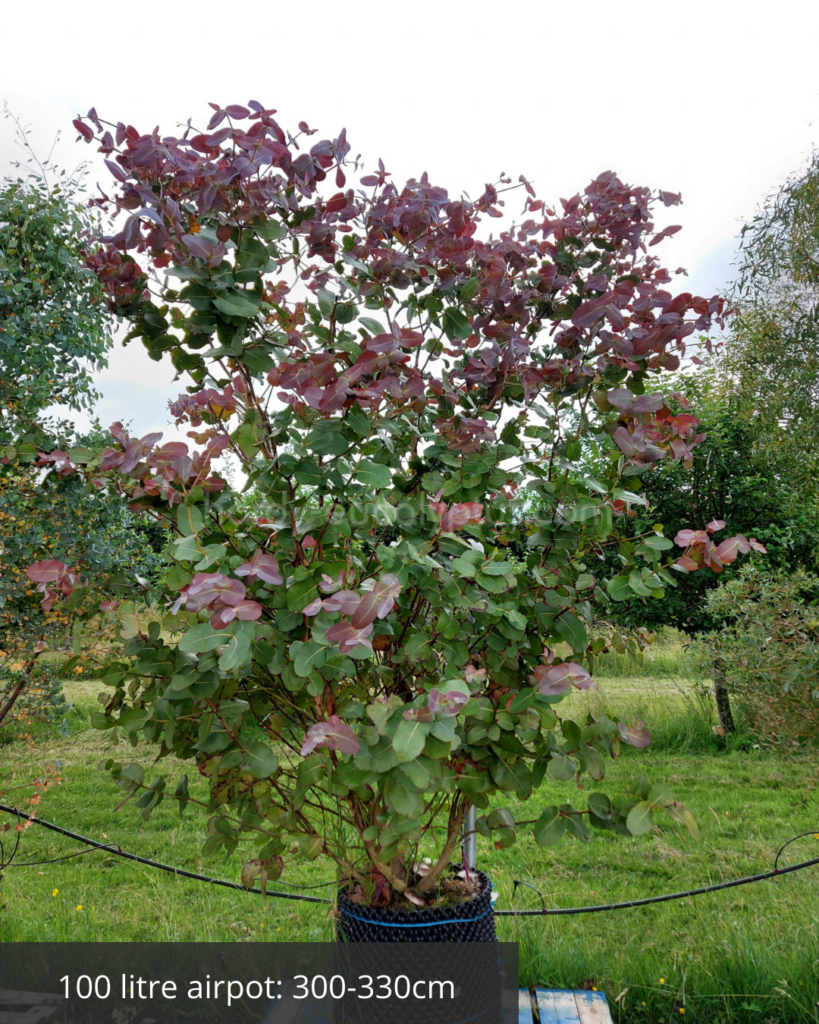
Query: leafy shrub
47	511
41	700
768	647
354	669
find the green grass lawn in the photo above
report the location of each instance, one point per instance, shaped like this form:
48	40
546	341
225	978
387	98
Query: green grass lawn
748	954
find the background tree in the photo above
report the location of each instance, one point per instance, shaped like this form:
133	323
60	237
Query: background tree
730	480
47	511
759	407
771	360
54	327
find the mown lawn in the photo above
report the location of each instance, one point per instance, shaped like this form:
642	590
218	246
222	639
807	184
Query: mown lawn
748	954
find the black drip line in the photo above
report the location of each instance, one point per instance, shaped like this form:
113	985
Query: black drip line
110	848
543	912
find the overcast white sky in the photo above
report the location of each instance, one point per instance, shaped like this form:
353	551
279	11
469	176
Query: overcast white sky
717	100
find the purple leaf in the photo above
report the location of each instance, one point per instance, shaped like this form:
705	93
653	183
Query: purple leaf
620	398
588	313
366	611
624	441
344	601
248	611
558	678
332	734
208	587
386	590
649	403
348	637
446	702
635	735
261	566
424	715
46	571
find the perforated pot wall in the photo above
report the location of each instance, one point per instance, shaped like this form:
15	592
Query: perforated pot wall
472	921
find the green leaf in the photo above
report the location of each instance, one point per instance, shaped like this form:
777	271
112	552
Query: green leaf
628	496
80	455
618	588
237	303
456	324
501	817
189	520
314	768
464	567
308	472
181	794
594	763
562	767
657	543
636	584
259	760
373	474
326	438
212	553
640	818
503	776
492	584
549	827
660	795
683	817
422	772
403	797
575	825
177	578
237	650
572	630
203	638
444	729
371	326
270	230
497	568
187	549
603	524
515	617
408	741
252	255
301	594
600	806
310	655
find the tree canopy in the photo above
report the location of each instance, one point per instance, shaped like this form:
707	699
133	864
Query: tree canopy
771	360
376	359
54	326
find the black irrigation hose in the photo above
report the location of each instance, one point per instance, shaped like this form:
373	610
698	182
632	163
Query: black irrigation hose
498	913
673	895
156	864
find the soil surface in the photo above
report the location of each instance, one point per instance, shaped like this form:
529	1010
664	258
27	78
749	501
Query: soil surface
449	893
